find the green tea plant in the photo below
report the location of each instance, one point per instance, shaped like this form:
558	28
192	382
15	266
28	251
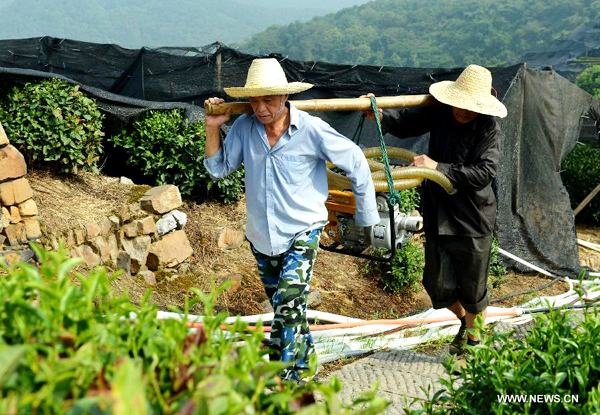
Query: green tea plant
406	268
68	345
403	272
496	267
168	149
559	361
580	173
54	125
410	200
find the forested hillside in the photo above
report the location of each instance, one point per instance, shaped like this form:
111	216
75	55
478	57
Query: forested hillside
427	33
136	23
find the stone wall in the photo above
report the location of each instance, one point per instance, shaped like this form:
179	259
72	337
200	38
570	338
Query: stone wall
140	238
18	211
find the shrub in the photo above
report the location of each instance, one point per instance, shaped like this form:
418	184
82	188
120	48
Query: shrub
580	174
169	150
410	200
403	272
496	267
54	125
68	345
589	81
558	359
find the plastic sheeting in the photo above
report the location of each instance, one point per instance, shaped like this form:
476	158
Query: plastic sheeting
534	221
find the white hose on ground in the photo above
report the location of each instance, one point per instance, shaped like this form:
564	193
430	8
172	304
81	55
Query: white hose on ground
253	319
522	261
360	337
589	245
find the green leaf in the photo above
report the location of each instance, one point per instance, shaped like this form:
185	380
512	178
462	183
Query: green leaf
10	357
128	392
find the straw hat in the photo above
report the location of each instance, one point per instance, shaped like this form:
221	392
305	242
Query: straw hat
266	77
471	91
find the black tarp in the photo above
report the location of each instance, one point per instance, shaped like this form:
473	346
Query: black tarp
571	54
535	220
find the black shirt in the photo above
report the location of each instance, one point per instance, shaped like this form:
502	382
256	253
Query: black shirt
468	154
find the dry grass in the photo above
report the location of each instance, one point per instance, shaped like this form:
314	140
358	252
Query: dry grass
70	202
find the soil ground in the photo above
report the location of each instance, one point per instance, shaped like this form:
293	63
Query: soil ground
345	287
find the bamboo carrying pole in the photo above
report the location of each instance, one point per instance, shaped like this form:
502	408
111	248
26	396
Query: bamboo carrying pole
334	104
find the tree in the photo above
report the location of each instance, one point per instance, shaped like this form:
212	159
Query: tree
589	81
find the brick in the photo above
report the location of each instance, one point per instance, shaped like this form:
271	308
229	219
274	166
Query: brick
22	190
12	163
170	251
229	238
124	261
28	208
130	230
3	138
79	236
146	226
138	251
148	276
11	234
4	217
7	194
87	253
15	216
161	199
32	229
92	231
16	234
100	245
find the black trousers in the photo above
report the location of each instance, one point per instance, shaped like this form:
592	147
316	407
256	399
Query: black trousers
456	269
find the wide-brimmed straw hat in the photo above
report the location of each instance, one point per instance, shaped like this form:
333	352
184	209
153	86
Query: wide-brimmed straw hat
266	77
471	91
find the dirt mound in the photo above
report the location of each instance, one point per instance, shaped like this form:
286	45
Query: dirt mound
68	203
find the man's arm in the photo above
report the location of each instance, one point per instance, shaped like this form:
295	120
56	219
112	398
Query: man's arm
482	169
346	155
221	161
213	125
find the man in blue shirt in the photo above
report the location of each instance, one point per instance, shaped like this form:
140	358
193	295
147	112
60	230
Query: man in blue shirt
284	151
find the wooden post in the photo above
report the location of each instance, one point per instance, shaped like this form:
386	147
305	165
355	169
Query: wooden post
587	200
334	104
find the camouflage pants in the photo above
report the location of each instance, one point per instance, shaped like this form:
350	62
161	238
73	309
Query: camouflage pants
286	280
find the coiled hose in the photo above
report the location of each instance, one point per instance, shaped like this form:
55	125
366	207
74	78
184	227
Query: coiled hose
404	178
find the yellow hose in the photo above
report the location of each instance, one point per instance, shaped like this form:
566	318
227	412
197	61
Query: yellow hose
404	177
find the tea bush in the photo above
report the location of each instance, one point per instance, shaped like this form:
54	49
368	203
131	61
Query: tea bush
559	359
580	173
496	267
167	149
68	345
403	272
410	200
54	125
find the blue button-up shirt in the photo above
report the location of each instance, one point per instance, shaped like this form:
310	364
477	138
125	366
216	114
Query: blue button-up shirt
286	185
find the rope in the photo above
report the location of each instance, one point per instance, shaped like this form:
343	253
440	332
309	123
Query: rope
394	198
359	128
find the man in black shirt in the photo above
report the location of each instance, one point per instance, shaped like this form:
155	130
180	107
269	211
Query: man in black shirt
464	144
